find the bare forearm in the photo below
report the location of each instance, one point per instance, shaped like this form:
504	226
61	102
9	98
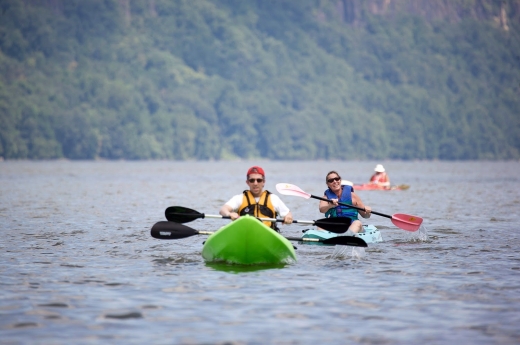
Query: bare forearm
225	210
325	206
288	219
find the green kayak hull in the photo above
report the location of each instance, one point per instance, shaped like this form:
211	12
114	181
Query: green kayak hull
370	234
247	241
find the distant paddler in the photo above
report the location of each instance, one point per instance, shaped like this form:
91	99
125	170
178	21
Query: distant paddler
380	177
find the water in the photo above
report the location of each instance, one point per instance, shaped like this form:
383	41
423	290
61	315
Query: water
77	263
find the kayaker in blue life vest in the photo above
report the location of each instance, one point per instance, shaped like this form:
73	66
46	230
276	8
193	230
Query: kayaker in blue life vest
344	194
256	201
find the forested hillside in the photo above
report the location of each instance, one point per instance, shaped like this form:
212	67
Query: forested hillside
279	79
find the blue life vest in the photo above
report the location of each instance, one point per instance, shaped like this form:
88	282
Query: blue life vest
342	211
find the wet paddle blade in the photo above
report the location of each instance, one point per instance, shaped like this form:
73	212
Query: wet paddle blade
407	222
346	241
181	214
290	189
171	231
337	225
339	240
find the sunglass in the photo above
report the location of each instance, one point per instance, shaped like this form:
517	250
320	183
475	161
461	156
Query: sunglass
258	180
330	180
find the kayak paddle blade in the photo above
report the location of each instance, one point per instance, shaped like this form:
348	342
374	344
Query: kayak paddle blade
290	189
171	231
337	225
407	222
339	240
346	241
181	214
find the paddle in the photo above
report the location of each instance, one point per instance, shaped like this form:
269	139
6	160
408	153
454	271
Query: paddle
171	231
400	187
364	185
403	221
180	214
368	186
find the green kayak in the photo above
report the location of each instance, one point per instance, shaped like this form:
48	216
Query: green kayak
248	241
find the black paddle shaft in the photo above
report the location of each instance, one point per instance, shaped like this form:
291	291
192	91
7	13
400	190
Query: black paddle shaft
180	214
165	230
352	206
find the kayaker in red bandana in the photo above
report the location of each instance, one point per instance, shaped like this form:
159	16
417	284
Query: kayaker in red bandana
256	201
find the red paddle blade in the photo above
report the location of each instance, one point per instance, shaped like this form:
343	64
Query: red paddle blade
407	222
290	189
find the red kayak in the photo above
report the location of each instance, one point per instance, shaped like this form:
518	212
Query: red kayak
371	186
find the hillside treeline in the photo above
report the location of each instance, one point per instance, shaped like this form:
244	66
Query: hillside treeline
278	79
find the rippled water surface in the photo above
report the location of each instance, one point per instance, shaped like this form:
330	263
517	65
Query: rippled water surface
78	265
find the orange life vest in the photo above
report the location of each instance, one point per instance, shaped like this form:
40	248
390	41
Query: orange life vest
261	209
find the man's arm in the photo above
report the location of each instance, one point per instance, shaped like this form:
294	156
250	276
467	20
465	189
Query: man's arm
229	208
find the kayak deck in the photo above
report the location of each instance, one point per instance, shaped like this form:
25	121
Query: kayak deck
370	234
248	241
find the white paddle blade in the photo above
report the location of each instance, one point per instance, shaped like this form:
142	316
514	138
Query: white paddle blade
290	189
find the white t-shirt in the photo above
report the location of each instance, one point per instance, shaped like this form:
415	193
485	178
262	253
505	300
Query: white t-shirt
278	204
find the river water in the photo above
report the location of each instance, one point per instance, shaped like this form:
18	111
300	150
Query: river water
78	264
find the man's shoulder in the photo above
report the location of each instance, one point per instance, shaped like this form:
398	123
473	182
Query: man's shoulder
273	196
236	197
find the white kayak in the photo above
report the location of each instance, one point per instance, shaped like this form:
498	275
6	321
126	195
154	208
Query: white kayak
370	234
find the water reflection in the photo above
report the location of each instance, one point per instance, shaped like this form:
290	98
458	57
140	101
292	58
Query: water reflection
234	268
78	262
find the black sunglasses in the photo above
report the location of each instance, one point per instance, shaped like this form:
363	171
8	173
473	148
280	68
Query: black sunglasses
258	180
330	180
